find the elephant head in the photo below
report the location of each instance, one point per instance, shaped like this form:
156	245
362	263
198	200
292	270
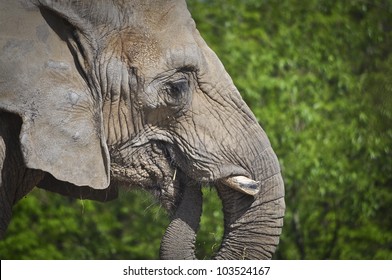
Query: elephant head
127	93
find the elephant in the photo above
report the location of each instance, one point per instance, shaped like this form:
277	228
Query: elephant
101	95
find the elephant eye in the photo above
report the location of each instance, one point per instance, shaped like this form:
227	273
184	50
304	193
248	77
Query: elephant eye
177	88
176	91
171	92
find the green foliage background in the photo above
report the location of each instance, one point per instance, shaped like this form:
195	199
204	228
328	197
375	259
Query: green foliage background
318	76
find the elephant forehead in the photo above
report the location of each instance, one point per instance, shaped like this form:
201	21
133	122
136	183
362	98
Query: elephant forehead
143	50
159	37
151	55
135	47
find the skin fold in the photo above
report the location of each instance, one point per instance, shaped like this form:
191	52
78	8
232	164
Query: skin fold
127	94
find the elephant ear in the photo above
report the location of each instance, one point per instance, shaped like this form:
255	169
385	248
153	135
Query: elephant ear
62	131
40	80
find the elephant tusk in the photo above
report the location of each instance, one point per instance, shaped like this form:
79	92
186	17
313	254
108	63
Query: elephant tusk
242	184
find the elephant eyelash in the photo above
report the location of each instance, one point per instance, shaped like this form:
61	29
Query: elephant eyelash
188	69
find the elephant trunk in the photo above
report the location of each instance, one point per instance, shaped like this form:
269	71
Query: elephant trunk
178	242
253	224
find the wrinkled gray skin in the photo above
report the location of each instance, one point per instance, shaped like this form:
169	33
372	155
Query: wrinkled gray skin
95	95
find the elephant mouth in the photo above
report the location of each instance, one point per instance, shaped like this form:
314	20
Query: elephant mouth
157	168
146	167
229	175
